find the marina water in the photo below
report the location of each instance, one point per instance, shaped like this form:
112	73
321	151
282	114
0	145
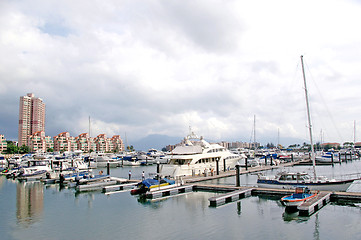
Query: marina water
32	210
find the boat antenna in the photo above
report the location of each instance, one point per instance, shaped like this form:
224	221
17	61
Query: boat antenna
309	120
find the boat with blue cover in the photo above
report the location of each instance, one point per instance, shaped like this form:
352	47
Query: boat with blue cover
150	184
301	195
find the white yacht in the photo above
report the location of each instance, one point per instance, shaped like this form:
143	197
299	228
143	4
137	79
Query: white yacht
196	156
101	159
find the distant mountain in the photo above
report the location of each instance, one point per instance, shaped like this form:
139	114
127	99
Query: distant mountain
285	141
159	141
156	141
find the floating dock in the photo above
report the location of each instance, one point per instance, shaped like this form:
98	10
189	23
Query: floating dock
314	204
169	191
97	186
223	174
229	197
118	187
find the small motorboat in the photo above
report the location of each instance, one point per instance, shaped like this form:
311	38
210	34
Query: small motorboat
301	195
150	184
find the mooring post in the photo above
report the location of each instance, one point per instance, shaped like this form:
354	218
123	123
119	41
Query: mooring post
224	165
265	160
158	163
271	160
61	166
339	157
332	159
108	168
246	163
291	157
237	175
217	166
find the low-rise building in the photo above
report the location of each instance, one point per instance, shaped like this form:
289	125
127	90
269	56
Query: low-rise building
62	142
102	143
3	143
38	142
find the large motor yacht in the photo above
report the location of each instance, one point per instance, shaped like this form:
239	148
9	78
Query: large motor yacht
195	156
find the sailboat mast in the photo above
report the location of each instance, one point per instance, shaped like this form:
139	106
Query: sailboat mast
254	131
309	120
354	132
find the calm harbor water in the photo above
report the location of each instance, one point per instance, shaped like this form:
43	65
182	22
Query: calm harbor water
36	211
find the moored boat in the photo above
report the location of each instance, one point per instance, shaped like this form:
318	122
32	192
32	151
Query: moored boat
150	184
197	156
301	195
289	180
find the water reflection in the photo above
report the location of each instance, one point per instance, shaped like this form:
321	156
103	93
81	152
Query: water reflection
29	202
239	209
2	180
289	216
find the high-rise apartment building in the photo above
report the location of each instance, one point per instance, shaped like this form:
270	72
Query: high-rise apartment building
31	117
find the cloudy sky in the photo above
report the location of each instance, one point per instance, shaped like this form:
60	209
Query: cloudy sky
160	66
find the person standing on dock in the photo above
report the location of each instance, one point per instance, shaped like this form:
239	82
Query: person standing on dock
130	174
143	175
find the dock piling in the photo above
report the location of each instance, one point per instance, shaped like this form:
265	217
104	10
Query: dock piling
332	159
217	166
237	175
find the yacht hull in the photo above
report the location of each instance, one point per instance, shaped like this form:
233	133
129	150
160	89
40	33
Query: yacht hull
340	186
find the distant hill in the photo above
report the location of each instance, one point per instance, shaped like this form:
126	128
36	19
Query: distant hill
156	141
159	141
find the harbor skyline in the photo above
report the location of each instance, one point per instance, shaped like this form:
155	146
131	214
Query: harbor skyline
157	68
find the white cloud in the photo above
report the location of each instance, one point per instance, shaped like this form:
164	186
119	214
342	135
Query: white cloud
160	66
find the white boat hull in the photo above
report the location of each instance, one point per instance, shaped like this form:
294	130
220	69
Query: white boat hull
341	187
195	169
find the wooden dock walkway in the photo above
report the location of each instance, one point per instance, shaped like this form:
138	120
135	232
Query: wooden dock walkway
314	204
305	209
118	187
169	191
229	197
222	174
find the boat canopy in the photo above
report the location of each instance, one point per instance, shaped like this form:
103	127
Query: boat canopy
151	181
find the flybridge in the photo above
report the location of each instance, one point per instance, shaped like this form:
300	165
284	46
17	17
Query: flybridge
180	150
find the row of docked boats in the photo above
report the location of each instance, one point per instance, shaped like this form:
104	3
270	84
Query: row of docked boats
36	168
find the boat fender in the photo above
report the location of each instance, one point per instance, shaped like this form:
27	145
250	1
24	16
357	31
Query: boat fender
47	175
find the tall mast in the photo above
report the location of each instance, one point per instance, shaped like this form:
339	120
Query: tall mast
254	131
354	132
309	120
